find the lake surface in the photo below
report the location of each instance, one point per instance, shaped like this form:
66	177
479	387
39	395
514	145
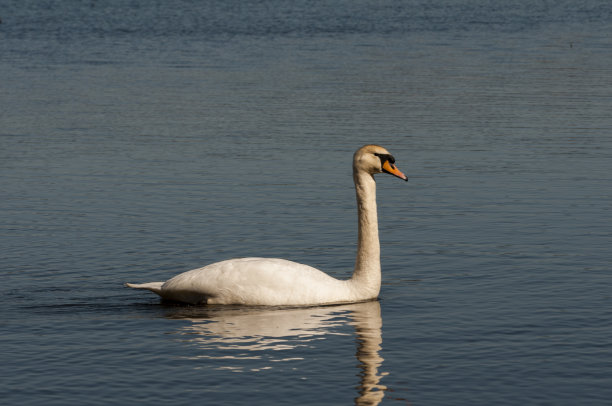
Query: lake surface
142	139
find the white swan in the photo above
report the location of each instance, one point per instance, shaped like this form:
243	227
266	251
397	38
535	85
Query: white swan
271	281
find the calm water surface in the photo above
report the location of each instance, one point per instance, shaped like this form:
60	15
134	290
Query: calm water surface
142	139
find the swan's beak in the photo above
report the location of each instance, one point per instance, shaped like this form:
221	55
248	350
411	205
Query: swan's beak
392	169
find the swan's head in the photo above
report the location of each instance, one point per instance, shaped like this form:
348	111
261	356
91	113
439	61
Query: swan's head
374	159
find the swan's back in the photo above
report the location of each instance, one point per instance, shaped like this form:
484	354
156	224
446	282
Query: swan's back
256	281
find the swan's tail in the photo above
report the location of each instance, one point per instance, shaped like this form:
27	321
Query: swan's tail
154	287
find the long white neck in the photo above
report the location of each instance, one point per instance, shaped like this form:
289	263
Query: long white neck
366	277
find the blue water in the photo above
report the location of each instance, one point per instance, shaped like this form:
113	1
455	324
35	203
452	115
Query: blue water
142	139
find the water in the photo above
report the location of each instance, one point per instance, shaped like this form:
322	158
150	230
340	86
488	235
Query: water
142	139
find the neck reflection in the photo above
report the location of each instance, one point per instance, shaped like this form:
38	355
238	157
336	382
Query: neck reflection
231	335
368	327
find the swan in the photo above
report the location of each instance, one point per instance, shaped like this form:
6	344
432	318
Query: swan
279	282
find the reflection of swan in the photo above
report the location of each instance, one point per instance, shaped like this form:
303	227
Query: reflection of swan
268	281
256	335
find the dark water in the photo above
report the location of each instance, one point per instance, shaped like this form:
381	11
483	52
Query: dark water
140	139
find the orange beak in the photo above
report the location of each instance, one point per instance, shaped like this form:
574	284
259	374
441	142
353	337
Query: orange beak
392	169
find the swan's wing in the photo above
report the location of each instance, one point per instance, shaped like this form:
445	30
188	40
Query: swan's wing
255	281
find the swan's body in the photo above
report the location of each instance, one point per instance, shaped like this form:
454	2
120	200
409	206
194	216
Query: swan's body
272	281
255	281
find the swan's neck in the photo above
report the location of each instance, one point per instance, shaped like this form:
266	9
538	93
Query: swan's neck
366	277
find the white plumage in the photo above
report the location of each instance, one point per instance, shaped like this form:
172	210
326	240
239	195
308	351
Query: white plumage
273	281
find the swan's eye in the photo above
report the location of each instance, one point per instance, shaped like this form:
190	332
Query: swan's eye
385	158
